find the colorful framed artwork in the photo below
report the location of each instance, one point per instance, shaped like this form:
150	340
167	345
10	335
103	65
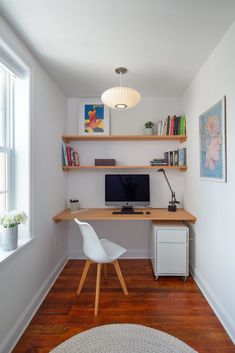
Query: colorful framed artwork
93	117
212	131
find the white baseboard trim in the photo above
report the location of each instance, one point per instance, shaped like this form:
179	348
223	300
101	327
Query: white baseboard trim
215	304
130	254
9	342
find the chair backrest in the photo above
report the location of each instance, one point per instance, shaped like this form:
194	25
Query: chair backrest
92	246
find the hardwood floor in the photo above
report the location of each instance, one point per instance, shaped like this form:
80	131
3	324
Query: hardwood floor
169	305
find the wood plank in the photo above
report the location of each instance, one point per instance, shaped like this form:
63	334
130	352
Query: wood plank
79	167
169	305
68	138
156	214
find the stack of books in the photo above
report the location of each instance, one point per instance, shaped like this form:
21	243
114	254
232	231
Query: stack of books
158	162
70	156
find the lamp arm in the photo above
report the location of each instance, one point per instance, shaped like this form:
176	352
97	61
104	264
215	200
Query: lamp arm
173	202
172	192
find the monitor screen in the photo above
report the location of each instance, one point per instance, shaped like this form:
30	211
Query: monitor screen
127	190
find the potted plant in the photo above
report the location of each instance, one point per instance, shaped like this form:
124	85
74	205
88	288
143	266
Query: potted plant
149	128
10	221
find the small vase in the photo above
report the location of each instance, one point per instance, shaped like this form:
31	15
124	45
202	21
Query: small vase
10	238
74	206
148	131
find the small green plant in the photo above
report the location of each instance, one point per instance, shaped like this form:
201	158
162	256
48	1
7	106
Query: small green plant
149	125
12	219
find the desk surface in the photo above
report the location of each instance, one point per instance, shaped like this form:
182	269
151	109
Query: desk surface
156	214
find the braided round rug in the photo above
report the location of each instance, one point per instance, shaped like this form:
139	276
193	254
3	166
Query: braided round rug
123	338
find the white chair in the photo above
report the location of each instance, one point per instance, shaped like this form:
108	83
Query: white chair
100	251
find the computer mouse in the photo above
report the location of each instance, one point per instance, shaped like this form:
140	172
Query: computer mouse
148	212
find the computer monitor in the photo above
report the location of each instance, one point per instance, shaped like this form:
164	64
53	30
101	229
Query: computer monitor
127	190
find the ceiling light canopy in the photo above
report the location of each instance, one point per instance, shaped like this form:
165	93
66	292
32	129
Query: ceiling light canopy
121	97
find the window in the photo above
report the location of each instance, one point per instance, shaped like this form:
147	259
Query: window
14	138
6	139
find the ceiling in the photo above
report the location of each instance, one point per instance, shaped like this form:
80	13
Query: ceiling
163	43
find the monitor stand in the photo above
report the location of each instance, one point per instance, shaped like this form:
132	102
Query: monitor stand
127	210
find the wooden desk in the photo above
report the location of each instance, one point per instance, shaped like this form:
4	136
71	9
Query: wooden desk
95	214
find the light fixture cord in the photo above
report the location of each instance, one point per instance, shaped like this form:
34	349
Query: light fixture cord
120	79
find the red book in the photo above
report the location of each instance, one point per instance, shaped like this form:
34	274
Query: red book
172	123
69	155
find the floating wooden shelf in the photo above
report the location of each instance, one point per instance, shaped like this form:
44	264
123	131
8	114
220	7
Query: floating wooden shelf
69	168
68	138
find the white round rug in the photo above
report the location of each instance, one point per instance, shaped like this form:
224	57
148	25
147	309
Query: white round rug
123	338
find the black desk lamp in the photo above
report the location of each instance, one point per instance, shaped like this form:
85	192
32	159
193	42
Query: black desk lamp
172	204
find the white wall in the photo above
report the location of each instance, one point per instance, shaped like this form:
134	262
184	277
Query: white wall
25	277
212	202
88	186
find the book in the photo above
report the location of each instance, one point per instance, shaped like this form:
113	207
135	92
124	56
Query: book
159	127
68	149
64	155
171	158
168	125
172	123
176	157
182	156
182	127
76	158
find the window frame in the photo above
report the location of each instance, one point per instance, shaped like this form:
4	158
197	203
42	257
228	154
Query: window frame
7	147
21	70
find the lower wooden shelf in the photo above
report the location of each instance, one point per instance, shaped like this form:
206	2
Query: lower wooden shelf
69	168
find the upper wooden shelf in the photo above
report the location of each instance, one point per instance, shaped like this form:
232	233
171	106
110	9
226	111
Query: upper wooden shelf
68	138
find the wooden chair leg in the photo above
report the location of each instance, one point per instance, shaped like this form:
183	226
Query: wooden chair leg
97	291
84	274
105	270
120	276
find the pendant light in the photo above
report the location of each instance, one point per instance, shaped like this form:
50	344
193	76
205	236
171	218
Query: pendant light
121	97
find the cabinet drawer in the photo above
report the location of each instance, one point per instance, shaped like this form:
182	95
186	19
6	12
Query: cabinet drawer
171	236
171	259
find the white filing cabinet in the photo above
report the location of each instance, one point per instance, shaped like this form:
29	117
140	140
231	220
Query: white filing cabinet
169	249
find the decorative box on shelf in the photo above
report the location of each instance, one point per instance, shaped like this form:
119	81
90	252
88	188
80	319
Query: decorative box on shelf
104	162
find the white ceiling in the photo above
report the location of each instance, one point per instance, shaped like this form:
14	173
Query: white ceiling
163	43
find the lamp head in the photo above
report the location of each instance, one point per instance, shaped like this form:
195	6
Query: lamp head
161	170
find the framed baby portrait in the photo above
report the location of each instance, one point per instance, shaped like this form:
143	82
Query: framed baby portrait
212	132
93	117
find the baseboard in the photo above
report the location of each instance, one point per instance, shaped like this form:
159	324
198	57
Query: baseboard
9	342
130	254
215	304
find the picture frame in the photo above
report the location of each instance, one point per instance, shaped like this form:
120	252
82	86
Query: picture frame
212	133
93	117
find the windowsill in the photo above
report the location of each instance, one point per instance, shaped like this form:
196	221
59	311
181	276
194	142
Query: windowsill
7	255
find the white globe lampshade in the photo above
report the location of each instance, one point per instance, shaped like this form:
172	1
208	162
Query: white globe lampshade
121	97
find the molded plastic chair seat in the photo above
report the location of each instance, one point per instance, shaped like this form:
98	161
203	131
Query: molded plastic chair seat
101	251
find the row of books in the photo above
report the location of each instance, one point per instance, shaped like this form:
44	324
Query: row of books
173	125
70	155
171	158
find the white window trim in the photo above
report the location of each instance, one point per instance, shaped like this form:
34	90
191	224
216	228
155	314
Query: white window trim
13	62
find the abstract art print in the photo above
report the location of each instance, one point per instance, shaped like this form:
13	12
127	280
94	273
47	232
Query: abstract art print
93	117
212	131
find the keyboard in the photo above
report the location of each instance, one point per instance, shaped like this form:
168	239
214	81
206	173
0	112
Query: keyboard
128	212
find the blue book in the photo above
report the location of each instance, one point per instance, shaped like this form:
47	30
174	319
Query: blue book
182	156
